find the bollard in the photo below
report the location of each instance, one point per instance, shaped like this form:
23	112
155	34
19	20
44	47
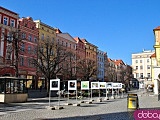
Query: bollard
132	102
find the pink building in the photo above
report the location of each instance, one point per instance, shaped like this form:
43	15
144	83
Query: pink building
28	48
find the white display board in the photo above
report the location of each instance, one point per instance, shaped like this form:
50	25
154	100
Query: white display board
109	85
102	85
84	85
55	84
117	85
94	85
72	85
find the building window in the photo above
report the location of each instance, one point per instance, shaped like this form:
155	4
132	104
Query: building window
22	47
23	35
29	49
147	60
48	38
141	75
41	49
52	40
21	61
29	62
136	67
148	75
5	21
42	37
30	38
12	23
140	61
35	39
136	61
35	50
137	75
148	66
141	67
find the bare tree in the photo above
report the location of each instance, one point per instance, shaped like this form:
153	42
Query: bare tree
69	67
87	69
14	40
50	59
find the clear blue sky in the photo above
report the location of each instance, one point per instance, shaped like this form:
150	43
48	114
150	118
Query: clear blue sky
118	27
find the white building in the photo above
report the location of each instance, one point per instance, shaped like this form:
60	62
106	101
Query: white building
141	64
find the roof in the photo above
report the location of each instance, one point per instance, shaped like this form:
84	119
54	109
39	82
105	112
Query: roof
8	10
153	55
157	28
66	36
117	62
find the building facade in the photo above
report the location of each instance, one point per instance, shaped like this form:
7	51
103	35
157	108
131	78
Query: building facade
46	33
155	63
28	49
91	55
69	44
100	65
141	64
8	32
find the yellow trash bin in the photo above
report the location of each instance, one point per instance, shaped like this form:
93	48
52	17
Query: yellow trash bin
132	102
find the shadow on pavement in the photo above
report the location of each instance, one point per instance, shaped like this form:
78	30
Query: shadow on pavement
108	116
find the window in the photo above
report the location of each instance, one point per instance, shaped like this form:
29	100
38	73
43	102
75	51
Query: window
148	75
52	40
141	75
23	35
148	66
41	49
22	47
29	62
147	60
29	49
35	50
136	67
48	38
141	67
140	61
12	23
137	75
42	37
30	38
21	61
35	39
5	21
136	61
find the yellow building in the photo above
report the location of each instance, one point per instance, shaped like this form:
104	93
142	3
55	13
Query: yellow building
156	60
46	33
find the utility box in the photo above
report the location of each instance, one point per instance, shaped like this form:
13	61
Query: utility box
132	102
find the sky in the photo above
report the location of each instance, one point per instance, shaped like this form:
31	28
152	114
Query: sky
118	27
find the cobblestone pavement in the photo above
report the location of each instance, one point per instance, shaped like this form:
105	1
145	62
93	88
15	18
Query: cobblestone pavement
113	109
